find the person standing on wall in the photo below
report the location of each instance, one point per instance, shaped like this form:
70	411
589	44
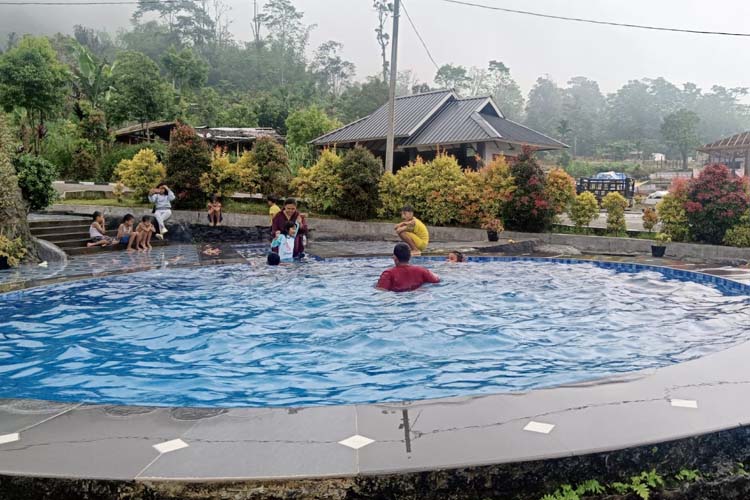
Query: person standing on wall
162	198
290	214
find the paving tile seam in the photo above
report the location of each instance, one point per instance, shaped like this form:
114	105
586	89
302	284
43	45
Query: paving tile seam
28	427
156	459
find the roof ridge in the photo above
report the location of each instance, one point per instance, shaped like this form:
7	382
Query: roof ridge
439	91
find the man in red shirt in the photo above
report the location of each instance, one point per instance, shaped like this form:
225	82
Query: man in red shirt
404	277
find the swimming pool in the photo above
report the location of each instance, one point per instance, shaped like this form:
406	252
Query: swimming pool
319	334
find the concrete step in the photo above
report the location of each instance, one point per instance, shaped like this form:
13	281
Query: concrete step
42	231
58	222
117	248
54	238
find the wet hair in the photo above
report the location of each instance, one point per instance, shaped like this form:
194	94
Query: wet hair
96	215
146	218
290	201
459	255
127	218
288	226
273	259
407	208
402	252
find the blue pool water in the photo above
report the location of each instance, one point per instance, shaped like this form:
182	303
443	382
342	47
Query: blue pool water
318	333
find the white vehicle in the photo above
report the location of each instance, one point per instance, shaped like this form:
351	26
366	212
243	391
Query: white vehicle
655	197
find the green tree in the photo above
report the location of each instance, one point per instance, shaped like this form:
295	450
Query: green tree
384	9
287	34
455	77
680	131
584	107
505	90
584	209
615	205
304	125
13	217
186	19
140	92
142	172
35	177
92	79
544	106
333	72
362	99
188	158
33	78
185	68
631	116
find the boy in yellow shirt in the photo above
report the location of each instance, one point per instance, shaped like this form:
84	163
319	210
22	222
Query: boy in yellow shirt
273	208
412	231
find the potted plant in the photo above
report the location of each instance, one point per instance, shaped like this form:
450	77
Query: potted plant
11	252
493	227
661	239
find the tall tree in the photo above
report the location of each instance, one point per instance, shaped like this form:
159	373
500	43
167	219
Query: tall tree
632	118
544	107
334	73
384	9
285	31
583	108
141	94
185	68
187	19
680	132
449	76
33	78
92	78
505	90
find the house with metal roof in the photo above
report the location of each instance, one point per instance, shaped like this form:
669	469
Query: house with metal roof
734	152
472	129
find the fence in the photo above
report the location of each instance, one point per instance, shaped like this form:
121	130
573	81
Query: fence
601	187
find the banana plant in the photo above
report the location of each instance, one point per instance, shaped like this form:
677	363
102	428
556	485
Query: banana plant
92	78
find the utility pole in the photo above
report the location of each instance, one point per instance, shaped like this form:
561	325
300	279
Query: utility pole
389	140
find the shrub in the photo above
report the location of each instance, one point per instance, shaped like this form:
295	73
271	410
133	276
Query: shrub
584	209
320	185
650	219
360	174
560	190
716	200
141	173
12	249
60	145
739	235
226	177
35	177
188	158
84	161
427	187
273	166
528	208
671	211
615	205
482	196
109	162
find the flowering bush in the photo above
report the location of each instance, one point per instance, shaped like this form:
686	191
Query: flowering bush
584	209
141	173
560	190
716	200
320	185
528	208
495	225
227	177
671	211
615	204
650	219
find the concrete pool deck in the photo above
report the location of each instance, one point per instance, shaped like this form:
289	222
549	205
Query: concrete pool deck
366	450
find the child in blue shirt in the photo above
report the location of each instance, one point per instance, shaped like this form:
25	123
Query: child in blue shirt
284	242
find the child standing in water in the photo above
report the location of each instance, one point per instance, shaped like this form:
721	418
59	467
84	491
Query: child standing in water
284	241
143	232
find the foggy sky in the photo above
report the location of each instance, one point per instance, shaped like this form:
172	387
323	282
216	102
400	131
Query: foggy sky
471	37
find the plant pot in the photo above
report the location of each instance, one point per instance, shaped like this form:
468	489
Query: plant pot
492	236
4	263
658	251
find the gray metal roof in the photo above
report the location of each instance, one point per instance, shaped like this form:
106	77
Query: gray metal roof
518	134
410	112
452	124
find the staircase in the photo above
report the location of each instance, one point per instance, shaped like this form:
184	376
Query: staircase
72	235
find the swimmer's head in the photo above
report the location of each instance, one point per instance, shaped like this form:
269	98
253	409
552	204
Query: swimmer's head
273	259
401	253
455	256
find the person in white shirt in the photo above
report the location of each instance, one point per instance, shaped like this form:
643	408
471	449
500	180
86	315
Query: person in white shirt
284	242
162	198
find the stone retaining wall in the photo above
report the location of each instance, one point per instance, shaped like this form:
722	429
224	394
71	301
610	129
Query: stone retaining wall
343	229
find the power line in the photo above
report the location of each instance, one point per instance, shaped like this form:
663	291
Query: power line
414	27
124	2
594	21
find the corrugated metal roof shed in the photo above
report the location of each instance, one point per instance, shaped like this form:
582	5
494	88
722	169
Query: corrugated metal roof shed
410	112
737	141
515	133
452	124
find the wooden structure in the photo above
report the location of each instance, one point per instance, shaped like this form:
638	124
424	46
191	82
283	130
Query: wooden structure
233	139
734	152
473	130
602	187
